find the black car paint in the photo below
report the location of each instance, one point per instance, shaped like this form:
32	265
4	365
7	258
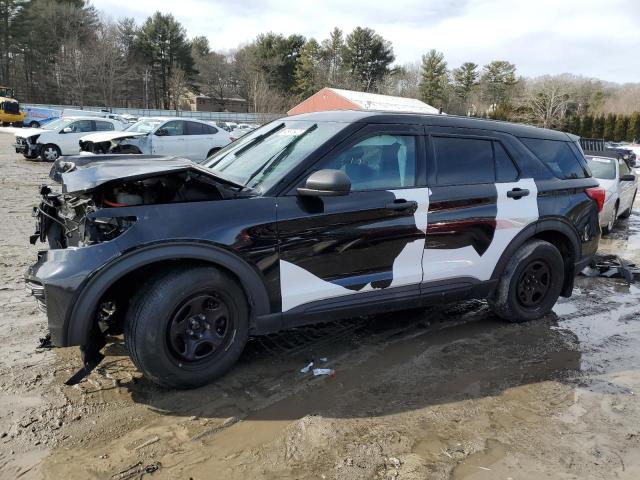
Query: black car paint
257	232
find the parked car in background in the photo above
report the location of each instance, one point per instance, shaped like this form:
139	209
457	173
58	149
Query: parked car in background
315	216
60	137
240	132
166	136
36	117
620	185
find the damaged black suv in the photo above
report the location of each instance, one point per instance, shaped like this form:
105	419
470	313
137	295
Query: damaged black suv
308	219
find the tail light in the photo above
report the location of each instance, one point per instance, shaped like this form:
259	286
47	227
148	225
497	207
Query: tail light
598	195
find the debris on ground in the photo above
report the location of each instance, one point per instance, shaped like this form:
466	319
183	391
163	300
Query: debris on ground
307	368
45	342
324	371
135	470
612	266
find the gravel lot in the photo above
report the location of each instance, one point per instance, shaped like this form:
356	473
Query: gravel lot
447	392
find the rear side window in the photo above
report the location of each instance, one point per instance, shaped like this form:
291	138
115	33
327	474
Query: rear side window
461	161
103	126
195	128
558	156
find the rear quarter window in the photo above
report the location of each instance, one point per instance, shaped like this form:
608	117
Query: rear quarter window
559	156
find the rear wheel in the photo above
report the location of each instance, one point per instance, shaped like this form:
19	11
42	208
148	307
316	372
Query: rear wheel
34	124
50	153
627	212
530	284
187	327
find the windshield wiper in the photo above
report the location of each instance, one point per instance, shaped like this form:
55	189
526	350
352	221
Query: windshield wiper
254	141
278	155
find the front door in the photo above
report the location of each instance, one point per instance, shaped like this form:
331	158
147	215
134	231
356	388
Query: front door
478	204
171	141
69	143
369	240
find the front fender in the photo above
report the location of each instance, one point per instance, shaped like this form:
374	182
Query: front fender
81	319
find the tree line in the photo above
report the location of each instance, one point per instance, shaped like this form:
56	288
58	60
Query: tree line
65	52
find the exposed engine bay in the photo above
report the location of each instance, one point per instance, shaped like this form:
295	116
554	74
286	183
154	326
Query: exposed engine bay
75	219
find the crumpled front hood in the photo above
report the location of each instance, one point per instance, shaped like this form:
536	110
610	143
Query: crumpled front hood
25	132
89	174
108	136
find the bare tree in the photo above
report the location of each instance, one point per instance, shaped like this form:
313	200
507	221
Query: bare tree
547	101
178	88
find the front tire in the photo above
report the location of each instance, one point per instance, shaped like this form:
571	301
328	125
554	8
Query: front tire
187	327
50	152
530	284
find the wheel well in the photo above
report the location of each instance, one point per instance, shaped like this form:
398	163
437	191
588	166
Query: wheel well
212	151
121	291
566	248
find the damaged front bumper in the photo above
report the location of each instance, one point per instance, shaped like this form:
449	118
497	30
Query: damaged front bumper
26	148
57	279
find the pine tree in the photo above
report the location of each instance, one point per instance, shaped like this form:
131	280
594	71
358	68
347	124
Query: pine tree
620	131
598	126
565	124
367	57
309	75
465	78
576	124
609	126
587	126
434	80
633	131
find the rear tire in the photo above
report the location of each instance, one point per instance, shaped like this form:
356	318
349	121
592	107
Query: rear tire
34	124
187	327
530	284
627	212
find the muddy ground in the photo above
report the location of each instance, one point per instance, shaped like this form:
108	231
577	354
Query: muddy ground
448	392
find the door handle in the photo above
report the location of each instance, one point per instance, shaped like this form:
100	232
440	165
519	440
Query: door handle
517	193
401	204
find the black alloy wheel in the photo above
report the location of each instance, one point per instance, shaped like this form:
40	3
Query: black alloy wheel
200	327
534	284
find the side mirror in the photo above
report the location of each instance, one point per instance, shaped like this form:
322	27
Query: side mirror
326	183
67	130
629	177
162	132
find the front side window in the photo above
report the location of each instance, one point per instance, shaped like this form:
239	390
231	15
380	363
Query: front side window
260	159
463	161
380	162
623	168
174	128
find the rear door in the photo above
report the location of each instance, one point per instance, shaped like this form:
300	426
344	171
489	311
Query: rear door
478	204
172	141
369	242
200	141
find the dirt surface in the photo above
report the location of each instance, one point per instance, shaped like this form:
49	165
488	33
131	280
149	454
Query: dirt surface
447	392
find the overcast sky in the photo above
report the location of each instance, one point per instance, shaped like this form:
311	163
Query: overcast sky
587	37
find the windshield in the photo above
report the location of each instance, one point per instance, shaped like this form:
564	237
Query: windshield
144	126
603	168
55	124
263	157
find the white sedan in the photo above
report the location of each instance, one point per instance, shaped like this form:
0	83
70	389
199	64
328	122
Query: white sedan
620	185
61	136
167	136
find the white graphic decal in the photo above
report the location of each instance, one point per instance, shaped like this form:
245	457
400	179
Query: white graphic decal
512	216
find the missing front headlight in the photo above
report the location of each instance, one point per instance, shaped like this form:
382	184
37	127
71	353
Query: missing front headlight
105	229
